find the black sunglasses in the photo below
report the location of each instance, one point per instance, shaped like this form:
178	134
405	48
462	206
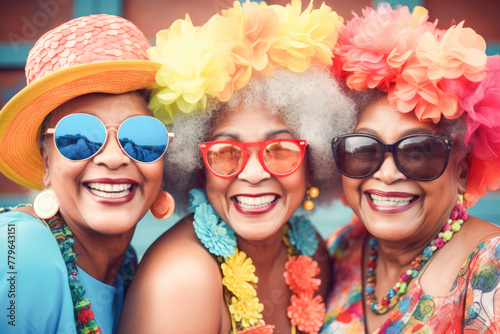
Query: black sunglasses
421	157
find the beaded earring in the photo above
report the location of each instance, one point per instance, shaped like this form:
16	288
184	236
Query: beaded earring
163	206
312	192
46	204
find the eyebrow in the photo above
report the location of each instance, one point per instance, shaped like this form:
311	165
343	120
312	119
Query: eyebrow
405	133
235	136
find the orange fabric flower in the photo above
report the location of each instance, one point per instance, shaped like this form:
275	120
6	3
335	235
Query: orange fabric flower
414	91
261	329
306	312
300	272
459	51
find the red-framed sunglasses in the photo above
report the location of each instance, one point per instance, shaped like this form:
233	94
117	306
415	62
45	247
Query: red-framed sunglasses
279	157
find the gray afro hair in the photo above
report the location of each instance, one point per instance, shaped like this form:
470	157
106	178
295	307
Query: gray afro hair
313	104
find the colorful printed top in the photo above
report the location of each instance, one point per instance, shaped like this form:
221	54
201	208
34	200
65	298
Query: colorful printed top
34	289
472	306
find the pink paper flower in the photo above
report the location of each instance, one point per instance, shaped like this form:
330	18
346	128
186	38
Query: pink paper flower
481	102
374	47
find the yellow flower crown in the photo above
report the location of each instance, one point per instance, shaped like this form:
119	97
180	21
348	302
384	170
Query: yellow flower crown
220	57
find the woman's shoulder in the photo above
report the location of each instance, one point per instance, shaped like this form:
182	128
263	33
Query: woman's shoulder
478	235
38	269
179	254
177	281
30	234
486	237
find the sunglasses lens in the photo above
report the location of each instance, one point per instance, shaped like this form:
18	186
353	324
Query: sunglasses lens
224	159
282	157
422	157
143	138
79	136
357	156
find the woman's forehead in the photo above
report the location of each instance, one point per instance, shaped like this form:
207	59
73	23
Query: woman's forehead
109	108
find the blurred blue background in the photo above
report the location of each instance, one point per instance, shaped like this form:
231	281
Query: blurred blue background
326	220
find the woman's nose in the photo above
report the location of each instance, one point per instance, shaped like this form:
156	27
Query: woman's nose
111	154
388	171
253	172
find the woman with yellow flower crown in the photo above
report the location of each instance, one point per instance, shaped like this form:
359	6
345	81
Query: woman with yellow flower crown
253	103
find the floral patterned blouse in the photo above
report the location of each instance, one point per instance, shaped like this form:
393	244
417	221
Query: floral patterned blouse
472	306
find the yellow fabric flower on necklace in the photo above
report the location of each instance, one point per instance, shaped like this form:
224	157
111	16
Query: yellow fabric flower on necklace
246	310
305	35
238	273
193	66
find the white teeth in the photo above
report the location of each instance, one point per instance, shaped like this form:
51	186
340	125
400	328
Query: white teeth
110	190
255	202
390	201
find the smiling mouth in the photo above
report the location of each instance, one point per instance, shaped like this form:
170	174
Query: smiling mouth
255	202
391	201
108	190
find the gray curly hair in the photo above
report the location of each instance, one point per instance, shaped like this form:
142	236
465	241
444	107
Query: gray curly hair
312	104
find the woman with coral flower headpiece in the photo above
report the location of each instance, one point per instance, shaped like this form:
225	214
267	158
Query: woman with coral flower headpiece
250	93
424	149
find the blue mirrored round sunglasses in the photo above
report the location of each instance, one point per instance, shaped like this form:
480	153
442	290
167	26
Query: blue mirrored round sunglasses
81	136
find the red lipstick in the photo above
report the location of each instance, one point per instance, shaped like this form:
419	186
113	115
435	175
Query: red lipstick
390	209
112	201
255	211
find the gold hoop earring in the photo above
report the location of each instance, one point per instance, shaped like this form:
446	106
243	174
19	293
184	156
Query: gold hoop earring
163	206
312	192
46	204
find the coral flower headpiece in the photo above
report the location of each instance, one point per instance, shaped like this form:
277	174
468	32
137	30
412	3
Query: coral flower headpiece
214	60
432	72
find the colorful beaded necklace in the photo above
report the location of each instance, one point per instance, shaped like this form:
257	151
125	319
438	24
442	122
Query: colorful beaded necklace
84	316
306	311
85	322
457	217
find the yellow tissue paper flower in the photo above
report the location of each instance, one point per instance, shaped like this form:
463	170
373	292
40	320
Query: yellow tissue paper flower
238	272
305	35
246	310
192	68
246	32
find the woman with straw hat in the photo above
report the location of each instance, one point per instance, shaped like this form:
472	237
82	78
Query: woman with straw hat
82	131
426	148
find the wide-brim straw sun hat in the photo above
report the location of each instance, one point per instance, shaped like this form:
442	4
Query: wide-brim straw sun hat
92	54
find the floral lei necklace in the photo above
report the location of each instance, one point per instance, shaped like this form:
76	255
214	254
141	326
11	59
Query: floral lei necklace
453	224
306	311
84	316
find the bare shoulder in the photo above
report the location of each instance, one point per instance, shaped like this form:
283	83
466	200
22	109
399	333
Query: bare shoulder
179	255
474	231
177	286
443	269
